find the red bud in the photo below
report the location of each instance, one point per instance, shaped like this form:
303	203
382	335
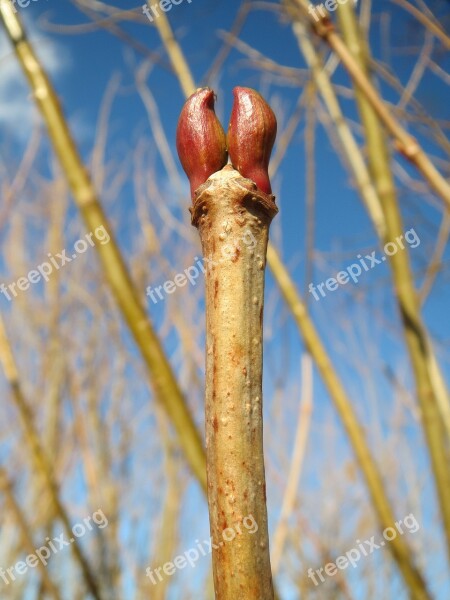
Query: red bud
251	135
201	141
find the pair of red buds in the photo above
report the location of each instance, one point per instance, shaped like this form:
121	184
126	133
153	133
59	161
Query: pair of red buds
203	147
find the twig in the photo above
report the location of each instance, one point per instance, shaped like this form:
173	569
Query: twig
352	152
173	50
435	263
298	453
225	207
406	144
432	26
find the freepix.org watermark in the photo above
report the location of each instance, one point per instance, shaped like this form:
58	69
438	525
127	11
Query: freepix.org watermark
364	548
45	269
319	11
21	3
204	548
192	273
366	263
152	11
53	546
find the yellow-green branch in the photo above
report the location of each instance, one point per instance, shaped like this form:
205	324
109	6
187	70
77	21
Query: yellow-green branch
430	386
128	299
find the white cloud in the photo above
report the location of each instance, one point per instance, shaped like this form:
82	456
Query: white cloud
17	109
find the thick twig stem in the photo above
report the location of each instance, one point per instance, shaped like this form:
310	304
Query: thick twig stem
233	219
